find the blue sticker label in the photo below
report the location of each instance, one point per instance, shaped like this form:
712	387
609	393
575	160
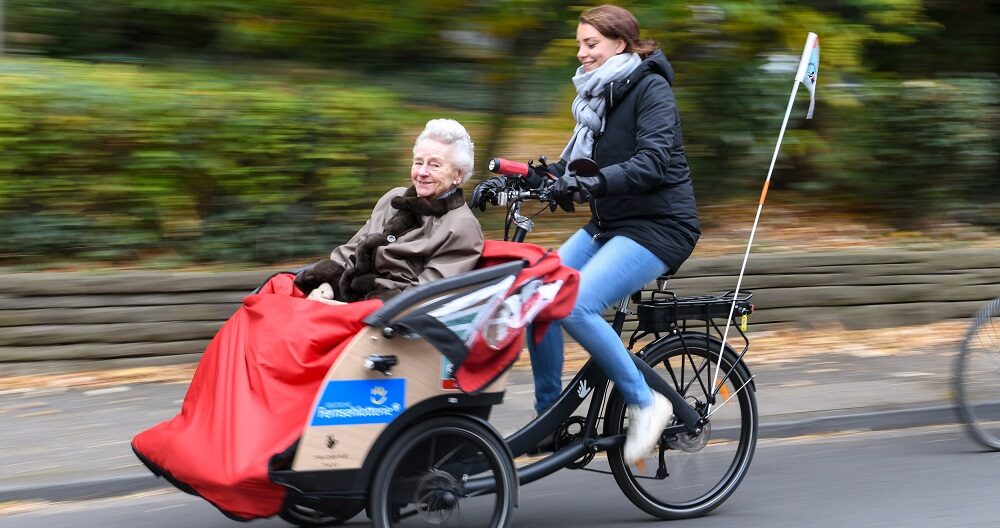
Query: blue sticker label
360	402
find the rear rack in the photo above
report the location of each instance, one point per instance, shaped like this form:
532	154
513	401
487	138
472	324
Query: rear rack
663	312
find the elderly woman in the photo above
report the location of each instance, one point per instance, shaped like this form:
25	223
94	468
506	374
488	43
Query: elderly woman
270	357
415	235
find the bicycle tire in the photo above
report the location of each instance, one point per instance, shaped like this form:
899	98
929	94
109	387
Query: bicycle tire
699	481
426	469
305	516
977	377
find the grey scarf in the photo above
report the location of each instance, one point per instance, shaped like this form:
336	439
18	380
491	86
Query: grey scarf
588	107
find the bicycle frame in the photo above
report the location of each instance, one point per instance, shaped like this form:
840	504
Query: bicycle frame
589	381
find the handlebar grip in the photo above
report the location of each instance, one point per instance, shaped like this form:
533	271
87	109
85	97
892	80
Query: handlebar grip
507	167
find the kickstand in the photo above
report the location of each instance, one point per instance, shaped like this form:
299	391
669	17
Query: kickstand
661	471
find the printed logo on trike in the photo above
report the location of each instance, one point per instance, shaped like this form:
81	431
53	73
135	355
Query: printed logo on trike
360	402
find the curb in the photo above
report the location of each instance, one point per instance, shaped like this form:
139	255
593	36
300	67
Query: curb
865	421
83	489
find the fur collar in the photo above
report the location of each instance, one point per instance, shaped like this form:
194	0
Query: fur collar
426	207
358	282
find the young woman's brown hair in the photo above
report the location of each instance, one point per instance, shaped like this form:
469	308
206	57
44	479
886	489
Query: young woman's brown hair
616	22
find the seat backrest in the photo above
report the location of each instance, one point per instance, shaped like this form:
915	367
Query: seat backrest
426	292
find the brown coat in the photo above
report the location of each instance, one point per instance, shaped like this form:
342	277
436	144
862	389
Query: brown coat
442	246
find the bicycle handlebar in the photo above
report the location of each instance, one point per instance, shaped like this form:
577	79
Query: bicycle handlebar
519	185
507	167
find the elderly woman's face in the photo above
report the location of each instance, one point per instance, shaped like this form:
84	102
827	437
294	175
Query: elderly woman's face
433	173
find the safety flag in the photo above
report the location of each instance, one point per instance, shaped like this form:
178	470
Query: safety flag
808	69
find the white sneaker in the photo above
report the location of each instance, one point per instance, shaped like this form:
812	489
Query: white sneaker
645	426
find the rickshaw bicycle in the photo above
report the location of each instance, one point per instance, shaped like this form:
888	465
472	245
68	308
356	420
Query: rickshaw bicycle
441	462
977	377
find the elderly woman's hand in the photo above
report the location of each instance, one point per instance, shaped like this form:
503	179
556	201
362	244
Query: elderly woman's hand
487	191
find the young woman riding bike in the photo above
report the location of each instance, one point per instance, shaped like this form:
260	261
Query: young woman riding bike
644	220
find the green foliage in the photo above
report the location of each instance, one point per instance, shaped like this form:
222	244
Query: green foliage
145	160
118	160
908	151
915	150
235	234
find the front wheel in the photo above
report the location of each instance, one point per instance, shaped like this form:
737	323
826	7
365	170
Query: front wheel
445	471
689	475
977	377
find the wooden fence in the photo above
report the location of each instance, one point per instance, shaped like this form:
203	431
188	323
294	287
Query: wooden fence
172	316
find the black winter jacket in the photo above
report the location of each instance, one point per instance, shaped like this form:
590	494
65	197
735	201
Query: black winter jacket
648	195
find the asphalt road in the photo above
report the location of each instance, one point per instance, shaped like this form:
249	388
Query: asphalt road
932	476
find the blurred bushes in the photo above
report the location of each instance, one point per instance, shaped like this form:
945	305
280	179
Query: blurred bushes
906	153
110	162
914	151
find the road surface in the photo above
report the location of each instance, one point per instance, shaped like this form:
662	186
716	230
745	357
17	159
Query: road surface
932	476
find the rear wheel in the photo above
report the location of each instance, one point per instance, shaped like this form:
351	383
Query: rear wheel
977	377
445	471
688	475
318	516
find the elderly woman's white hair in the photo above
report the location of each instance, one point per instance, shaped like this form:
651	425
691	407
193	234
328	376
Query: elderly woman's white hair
452	133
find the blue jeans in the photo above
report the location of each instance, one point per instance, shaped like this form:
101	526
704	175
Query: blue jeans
609	270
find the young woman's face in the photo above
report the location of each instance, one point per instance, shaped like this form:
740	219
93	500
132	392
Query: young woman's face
594	49
433	173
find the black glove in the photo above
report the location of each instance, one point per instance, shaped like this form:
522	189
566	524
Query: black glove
564	201
487	191
538	176
580	189
310	277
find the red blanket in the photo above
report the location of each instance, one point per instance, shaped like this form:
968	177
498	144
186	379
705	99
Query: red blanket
253	389
250	396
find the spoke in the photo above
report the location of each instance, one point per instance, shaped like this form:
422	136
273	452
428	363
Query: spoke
991	351
673	375
988	328
649	477
430	452
987	339
447	456
696	374
684	359
409	513
737	391
475	493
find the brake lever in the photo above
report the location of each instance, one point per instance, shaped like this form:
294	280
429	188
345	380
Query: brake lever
544	194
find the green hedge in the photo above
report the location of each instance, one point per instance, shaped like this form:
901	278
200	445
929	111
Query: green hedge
915	151
110	162
908	153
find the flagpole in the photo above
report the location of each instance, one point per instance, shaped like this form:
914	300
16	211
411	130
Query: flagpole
760	207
